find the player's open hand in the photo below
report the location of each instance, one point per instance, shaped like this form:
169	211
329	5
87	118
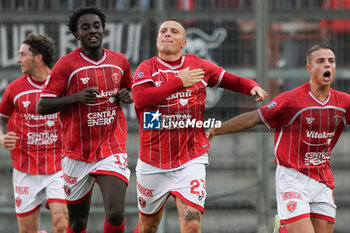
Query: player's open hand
190	77
210	134
88	95
8	141
124	96
259	93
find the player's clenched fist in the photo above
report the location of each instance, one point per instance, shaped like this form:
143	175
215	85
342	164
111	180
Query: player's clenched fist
88	95
190	77
9	140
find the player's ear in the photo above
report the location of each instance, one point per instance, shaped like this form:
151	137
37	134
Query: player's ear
38	57
76	36
308	67
183	44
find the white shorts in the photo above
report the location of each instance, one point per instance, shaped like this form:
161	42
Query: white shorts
77	180
299	196
188	184
31	191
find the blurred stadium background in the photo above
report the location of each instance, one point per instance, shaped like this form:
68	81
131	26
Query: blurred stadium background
261	39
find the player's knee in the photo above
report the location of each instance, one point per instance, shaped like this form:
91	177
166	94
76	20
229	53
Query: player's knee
60	226
78	225
27	229
192	226
115	216
148	228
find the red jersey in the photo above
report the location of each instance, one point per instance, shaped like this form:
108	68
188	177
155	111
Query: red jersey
91	131
174	143
307	129
39	149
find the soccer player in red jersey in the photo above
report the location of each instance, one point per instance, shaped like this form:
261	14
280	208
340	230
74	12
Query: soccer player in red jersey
308	122
168	92
86	86
33	140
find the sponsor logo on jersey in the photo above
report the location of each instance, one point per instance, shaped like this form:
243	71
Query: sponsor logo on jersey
50	123
85	80
107	93
158	83
316	158
142	202
291	195
309	120
200	197
25	103
291	206
140	75
70	179
101	118
18	201
22	190
40	117
271	105
183	102
144	191
43	138
182	94
315	134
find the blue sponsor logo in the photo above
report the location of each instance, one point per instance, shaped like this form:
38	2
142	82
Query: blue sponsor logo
151	120
139	75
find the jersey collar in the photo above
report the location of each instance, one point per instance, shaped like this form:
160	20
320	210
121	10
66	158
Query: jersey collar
173	67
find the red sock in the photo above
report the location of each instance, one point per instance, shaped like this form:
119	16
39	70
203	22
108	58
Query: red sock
69	230
108	228
136	229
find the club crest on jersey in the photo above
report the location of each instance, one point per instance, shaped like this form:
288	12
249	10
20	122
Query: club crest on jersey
309	120
115	77
18	201
336	119
85	80
142	202
291	206
271	105
67	190
25	103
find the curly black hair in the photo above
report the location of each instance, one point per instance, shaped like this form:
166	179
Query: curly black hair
74	17
42	44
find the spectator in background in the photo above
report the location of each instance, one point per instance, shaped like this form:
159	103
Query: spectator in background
33	140
337	32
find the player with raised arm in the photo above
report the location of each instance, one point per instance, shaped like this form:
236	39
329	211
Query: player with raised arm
86	86
168	92
308	122
33	140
